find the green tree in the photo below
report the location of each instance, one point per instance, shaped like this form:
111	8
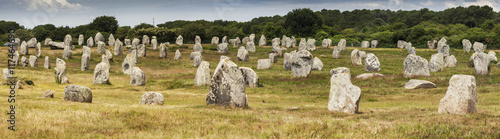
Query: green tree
104	24
143	26
303	22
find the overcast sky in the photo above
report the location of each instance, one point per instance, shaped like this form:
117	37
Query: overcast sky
30	13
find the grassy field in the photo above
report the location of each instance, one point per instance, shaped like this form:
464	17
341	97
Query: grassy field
284	107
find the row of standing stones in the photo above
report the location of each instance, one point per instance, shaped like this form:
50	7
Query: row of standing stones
343	95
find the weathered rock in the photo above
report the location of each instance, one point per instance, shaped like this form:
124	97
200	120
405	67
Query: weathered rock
48	94
251	78
47	62
368	75
194	54
302	63
481	63
47	41
24	48
341	45
415	66
179	40
68	40
372	63
412	51
215	40
77	93
197	39
135	43
90	42
365	44
273	57
461	96
419	84
262	40
24	61
250	47
251	37
374	44
467	45
128	64
137	77
118	51
141	50
276	41
197	60
450	61
242	54
101	47
6	74
111	40
227	86
311	44
222	48
362	54
317	64
15	58
436	63
401	44
493	56
303	44
340	70
177	54
326	43
294	41
60	72
80	39
85	62
336	52
356	58
224	39
287	60
67	52
38	50
101	73
264	64
98	37
202	74
198	48
109	56
128	43
32	43
145	40
154	43
443	47
479	47
431	44
163	50
152	98
344	96
33	61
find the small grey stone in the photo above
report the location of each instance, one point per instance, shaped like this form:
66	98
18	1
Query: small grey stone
418	84
152	98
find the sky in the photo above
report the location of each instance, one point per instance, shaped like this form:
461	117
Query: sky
31	13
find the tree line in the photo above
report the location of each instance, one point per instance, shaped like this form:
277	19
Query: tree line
476	23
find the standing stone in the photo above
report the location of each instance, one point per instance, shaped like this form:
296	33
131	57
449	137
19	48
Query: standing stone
356	58
38	50
365	44
60	72
47	62
67	52
479	47
194	54
32	43
302	63
362	54
101	73
467	45
287	60
450	61
47	41
264	64
109	56
242	54
163	50
227	86
128	43
344	96
137	77
101	47
493	56
325	43
141	50
135	43
276	41
118	51
311	44
80	39
85	62
419	84
98	37
401	44
24	48
111	40
48	94
251	78
436	63
317	64
303	44
372	63
224	39
412	51
128	64
86	50
288	42
179	40
374	44
222	48
336	52
90	42
443	47
77	93
461	96
197	39
294	41
33	61
415	66
215	40
283	40
152	98
6	74
198	48
15	58
341	45
145	40
481	64
262	40
154	43
250	47
202	74
273	57
177	55
251	37
68	40
24	61
197	60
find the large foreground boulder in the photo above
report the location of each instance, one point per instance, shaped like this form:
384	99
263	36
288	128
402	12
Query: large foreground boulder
344	96
461	97
418	84
302	63
227	86
152	98
415	66
77	93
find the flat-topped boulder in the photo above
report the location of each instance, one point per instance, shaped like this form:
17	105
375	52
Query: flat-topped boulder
227	86
264	64
77	93
461	96
419	84
365	44
152	98
273	57
415	66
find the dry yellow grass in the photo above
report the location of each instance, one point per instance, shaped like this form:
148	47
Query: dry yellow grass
387	110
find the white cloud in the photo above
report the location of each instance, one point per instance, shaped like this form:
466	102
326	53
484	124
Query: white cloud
492	3
396	2
52	5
